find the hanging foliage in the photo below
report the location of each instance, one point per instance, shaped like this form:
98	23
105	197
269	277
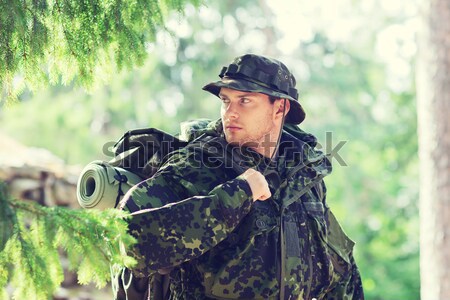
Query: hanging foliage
31	237
47	41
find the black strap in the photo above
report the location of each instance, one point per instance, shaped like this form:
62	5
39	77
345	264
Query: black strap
121	179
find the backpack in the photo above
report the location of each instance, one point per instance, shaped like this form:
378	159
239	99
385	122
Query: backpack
142	152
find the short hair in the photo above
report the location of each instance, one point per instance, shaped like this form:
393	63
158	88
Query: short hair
272	99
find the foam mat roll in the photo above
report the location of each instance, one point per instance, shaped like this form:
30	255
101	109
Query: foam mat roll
100	183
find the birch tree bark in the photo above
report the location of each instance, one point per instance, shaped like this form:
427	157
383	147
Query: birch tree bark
433	104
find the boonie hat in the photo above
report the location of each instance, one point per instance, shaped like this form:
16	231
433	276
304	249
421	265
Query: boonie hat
255	73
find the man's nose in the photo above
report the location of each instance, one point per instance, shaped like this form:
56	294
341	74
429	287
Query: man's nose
231	111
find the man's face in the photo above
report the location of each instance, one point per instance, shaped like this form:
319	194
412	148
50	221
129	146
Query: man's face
247	117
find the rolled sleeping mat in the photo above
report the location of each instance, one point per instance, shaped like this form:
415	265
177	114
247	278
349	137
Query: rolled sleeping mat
101	185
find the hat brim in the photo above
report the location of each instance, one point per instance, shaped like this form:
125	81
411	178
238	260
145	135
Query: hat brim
296	114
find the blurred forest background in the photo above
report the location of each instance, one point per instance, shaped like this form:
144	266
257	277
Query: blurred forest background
354	63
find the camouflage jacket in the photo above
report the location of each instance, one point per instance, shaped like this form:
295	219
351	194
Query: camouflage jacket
195	217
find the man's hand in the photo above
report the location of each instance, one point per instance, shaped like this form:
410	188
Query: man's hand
258	184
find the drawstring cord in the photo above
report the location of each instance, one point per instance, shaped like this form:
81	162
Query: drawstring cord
278	140
282	241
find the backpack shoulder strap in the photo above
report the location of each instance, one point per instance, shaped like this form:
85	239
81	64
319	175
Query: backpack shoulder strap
141	151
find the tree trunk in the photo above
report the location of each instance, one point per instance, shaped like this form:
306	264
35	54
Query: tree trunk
433	104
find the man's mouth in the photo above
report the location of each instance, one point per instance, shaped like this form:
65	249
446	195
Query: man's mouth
232	128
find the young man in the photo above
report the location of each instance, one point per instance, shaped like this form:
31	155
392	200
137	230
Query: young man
240	213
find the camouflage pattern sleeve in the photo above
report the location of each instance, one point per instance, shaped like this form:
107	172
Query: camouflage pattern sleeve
350	285
183	229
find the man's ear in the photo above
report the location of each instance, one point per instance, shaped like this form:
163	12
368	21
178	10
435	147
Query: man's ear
280	103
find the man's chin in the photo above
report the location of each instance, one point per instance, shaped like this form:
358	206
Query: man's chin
241	143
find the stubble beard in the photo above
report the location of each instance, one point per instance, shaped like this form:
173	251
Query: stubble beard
262	141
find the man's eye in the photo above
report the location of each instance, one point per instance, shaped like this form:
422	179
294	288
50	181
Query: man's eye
245	100
225	100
